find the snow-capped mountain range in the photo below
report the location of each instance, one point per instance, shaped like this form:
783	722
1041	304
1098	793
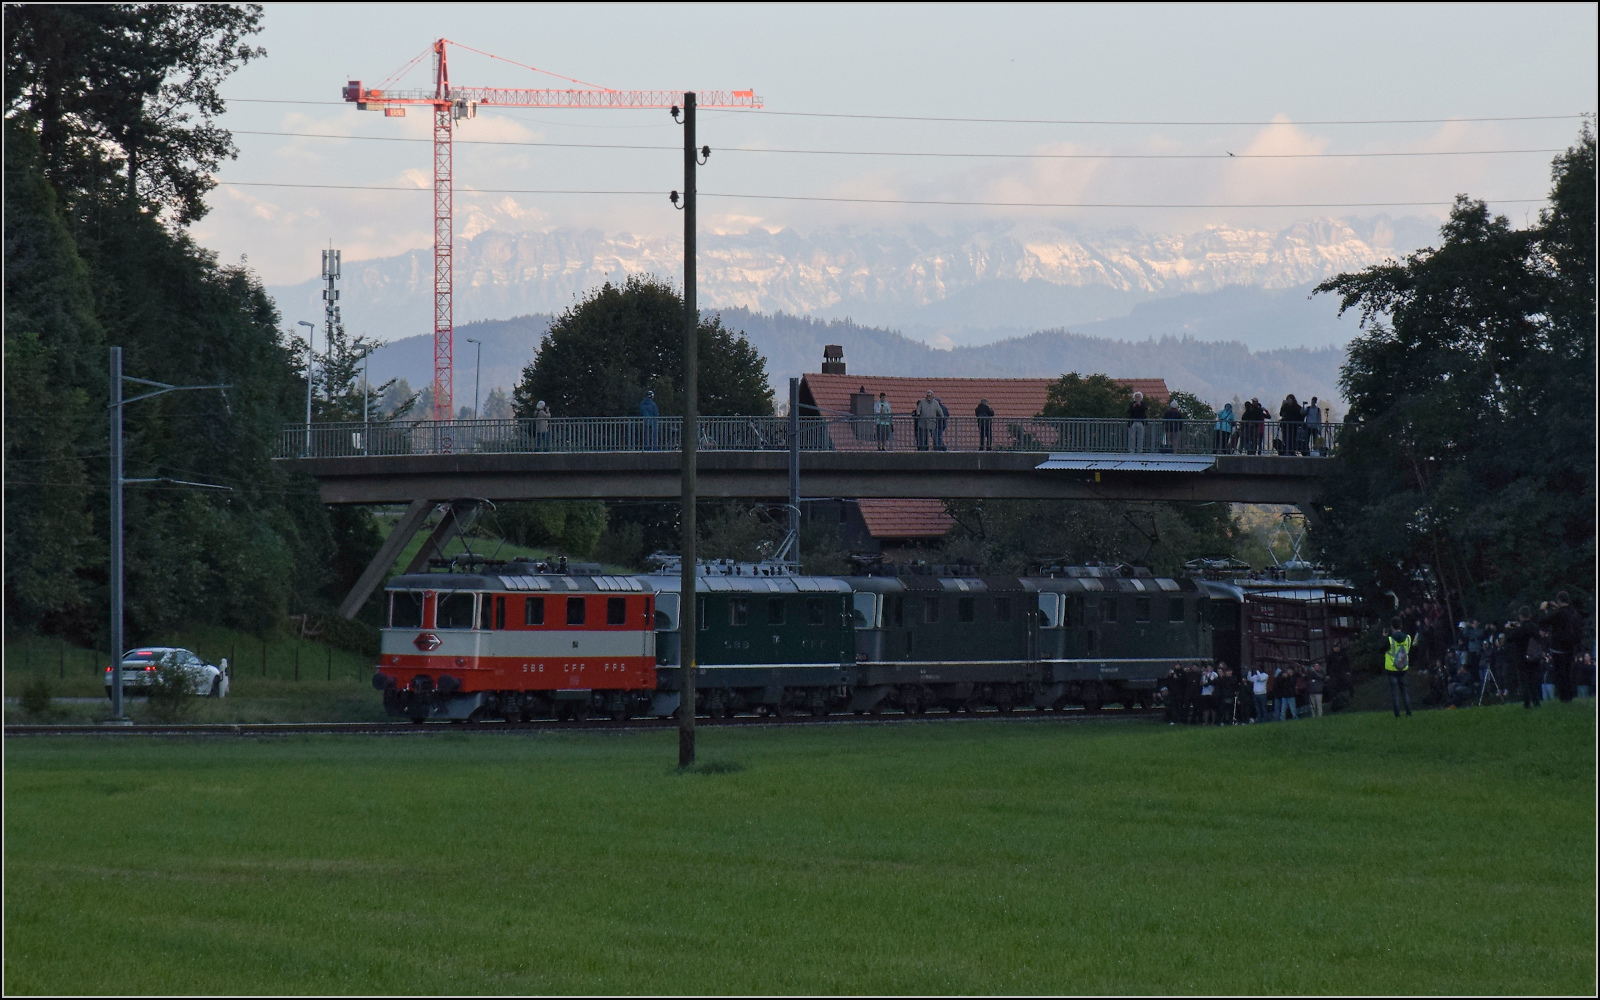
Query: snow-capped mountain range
961	284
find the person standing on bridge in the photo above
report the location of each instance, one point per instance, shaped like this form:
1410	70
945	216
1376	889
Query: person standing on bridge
541	426
1254	415
985	415
1172	422
927	418
884	414
940	425
1313	428
1293	419
1223	432
1137	413
651	414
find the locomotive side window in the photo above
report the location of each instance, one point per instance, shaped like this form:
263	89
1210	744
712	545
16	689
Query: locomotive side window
965	610
453	611
930	610
816	612
1002	609
499	612
1049	610
1072	611
897	612
1108	610
738	611
864	610
616	611
1141	609
774	611
1175	610
1091	611
576	611
405	609
533	611
485	612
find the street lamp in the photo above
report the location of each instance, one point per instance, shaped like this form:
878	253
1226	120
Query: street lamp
117	482
311	356
477	374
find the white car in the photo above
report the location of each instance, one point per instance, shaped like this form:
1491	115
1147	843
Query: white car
139	668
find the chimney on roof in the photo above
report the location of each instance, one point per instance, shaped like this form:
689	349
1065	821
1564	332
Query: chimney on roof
833	360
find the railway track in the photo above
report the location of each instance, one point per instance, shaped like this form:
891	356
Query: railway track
590	726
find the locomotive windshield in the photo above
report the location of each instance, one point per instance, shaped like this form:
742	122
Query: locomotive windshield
453	611
405	609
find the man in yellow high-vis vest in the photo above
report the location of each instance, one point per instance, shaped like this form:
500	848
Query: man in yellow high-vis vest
1396	662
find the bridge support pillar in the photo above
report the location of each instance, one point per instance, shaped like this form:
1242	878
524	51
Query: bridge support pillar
388	552
456	517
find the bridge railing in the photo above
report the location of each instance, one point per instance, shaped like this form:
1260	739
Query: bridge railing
587	435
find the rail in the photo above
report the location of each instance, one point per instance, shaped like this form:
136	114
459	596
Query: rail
589	435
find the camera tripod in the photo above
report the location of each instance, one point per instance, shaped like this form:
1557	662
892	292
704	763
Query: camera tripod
1484	688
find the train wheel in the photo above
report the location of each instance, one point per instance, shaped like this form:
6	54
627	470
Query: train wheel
1091	706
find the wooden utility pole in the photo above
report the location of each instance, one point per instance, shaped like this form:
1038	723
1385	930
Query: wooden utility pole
689	436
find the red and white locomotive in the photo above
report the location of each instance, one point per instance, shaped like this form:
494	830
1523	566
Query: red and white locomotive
517	640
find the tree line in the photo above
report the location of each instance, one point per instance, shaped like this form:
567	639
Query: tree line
1470	479
110	145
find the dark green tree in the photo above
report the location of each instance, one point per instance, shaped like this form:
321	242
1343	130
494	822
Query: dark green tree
1472	477
126	95
109	149
1074	395
1011	536
602	355
1192	406
52	336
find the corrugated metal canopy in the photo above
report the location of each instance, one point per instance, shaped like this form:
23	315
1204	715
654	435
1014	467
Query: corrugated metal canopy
1099	462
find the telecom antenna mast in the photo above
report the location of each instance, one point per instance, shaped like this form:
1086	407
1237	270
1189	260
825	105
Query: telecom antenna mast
450	104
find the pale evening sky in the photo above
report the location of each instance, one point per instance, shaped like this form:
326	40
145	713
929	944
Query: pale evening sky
1164	64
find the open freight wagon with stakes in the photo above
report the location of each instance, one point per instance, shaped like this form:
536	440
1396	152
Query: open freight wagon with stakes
518	640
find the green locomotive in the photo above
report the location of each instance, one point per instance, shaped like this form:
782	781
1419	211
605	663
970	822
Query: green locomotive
773	642
769	641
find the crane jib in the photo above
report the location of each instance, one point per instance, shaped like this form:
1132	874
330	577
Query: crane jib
512	97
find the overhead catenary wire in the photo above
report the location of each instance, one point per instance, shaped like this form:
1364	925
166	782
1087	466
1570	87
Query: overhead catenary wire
1062	121
940	154
886	201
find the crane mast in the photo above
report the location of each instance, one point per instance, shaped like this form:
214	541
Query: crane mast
449	104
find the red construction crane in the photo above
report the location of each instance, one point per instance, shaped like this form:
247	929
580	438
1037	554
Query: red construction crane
451	104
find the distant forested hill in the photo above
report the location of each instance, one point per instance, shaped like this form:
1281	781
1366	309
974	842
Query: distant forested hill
792	345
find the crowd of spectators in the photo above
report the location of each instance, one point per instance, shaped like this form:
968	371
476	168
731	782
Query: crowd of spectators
1537	654
1216	694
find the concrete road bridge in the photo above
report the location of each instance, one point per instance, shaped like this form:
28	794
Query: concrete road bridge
454	465
637	458
749	457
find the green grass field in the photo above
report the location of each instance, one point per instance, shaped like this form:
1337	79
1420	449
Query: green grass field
1449	853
